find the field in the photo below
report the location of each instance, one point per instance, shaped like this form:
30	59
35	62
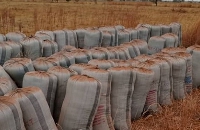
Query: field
29	17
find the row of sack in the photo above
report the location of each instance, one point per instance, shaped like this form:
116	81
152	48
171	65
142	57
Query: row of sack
35	47
100	36
103	94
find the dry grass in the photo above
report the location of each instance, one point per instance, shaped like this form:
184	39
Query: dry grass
29	17
181	115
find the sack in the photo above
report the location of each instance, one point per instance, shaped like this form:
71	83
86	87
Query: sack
71	38
195	51
164	88
49	48
2	38
3	74
133	50
155	44
17	67
93	38
80	67
103	119
123	80
188	78
65	59
143	58
45	81
62	74
35	110
152	97
141	44
144	78
108	39
16	49
5	53
5	86
50	33
102	64
11	114
32	47
81	56
15	36
44	63
80	103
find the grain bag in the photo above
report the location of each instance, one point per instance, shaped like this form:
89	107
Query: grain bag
93	38
50	33
43	36
65	59
155	30
80	37
143	33
81	55
165	29
144	78
32	47
113	52
133	62
143	58
80	67
108	39
49	48
71	38
15	36
171	40
119	62
133	33
43	64
60	38
152	97
62	74
113	31
16	49
17	67
46	82
133	50
178	74
123	52
188	77
155	44
177	30
102	120
5	86
80	103
123	36
141	44
35	110
172	50
68	48
99	54
164	87
195	51
2	38
5	53
3	74
123	80
11	114
119	27
102	64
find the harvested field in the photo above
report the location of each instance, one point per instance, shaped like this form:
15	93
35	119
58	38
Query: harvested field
29	17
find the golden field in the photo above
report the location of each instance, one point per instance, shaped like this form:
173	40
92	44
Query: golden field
29	17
